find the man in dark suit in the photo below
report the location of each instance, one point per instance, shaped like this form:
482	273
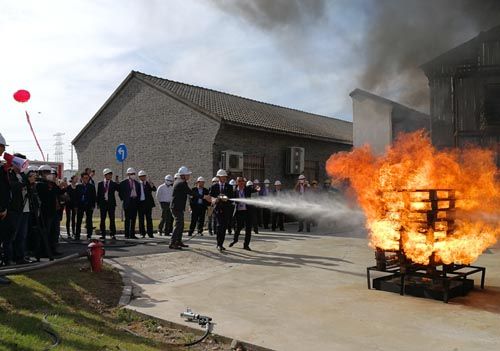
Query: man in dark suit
178	206
4	205
198	206
278	218
86	204
130	193
243	213
146	204
223	209
106	201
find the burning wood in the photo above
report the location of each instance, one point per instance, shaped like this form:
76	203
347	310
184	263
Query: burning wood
409	205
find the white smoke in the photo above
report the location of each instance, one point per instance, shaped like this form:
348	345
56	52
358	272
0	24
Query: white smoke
327	209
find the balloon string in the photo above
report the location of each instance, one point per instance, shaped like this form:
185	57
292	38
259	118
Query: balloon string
34	135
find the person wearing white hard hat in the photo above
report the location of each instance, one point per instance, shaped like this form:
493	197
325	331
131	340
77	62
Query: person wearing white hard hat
86	204
146	204
265	213
243	212
106	201
178	207
130	193
210	212
277	218
164	197
223	209
48	192
301	188
176	176
198	206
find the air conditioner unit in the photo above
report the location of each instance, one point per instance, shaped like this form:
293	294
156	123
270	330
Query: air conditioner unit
232	161
294	162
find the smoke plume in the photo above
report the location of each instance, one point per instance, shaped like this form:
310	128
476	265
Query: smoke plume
397	35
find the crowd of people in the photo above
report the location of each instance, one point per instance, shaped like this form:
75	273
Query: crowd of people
34	201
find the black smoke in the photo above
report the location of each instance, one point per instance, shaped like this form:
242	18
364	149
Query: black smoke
398	35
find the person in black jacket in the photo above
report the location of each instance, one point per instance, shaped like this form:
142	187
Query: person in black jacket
4	205
198	206
146	204
48	192
178	206
71	206
106	201
130	193
243	213
223	209
86	204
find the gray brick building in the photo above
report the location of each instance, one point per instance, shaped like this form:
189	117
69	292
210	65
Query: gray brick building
166	124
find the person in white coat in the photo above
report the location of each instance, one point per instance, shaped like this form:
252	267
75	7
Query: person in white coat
164	197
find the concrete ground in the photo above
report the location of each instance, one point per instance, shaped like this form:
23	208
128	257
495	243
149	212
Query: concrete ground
308	291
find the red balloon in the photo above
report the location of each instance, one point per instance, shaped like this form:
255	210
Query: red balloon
22	95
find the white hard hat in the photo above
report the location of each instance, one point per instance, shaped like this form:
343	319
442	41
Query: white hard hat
215	179
176	175
2	140
142	173
106	171
53	171
200	179
221	173
277	182
232	182
169	178
256	181
249	183
302	177
267	181
32	169
184	171
44	168
130	170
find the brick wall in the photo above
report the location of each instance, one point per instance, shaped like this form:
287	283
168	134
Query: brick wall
161	134
273	147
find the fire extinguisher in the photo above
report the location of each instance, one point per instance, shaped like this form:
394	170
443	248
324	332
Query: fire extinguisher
95	253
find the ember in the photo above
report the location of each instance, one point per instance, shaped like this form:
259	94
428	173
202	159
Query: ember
424	208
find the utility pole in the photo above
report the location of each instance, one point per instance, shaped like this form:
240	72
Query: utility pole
59	148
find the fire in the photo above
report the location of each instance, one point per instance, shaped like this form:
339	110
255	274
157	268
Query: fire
393	190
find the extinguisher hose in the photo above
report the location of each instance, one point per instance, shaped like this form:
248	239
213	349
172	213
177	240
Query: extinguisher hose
207	333
47	328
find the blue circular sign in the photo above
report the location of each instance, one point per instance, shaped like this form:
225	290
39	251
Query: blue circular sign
121	153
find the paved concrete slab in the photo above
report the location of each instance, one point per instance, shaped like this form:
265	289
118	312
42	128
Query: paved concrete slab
300	291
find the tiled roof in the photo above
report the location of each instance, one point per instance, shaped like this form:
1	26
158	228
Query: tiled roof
246	112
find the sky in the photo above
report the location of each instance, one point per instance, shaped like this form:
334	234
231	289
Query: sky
72	55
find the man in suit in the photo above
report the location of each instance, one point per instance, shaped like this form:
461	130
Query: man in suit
86	204
301	188
278	218
211	216
243	213
265	212
4	205
223	209
178	206
130	193
198	206
106	201
146	204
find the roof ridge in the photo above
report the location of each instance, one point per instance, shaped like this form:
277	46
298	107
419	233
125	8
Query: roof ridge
240	97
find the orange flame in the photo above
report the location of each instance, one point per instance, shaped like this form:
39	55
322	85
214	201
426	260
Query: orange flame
412	163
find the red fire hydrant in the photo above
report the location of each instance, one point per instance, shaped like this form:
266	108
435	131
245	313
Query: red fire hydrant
95	253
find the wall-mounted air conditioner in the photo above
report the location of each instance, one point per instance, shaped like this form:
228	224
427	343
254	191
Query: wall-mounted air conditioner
232	161
294	163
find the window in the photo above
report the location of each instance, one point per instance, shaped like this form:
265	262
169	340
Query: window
253	167
492	105
311	170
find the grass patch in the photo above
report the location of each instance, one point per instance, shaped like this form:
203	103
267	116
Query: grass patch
81	307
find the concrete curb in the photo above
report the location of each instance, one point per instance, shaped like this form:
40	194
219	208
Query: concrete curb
127	283
127	297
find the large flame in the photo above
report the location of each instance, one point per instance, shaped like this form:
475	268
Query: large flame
413	163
